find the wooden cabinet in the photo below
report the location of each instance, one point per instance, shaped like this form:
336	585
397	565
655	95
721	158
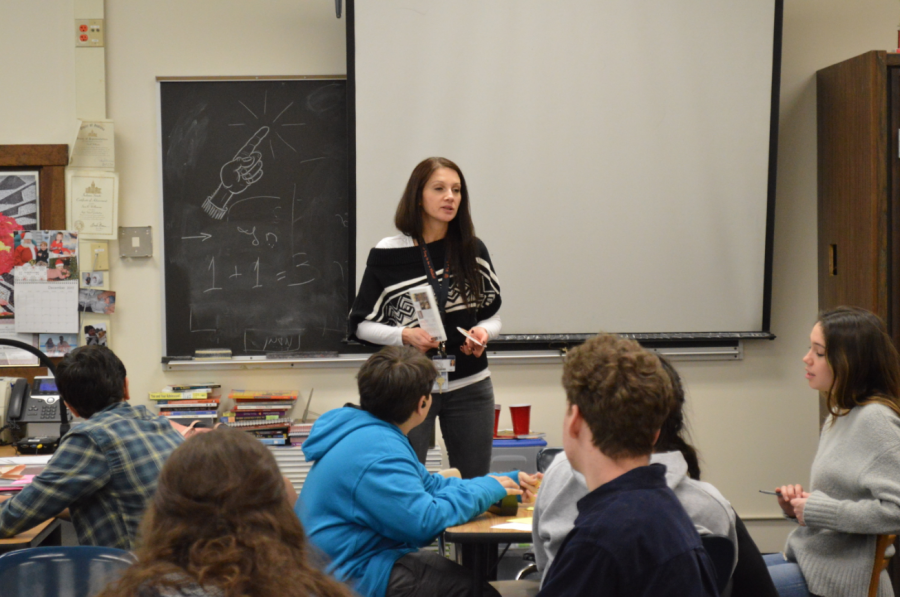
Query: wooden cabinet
858	113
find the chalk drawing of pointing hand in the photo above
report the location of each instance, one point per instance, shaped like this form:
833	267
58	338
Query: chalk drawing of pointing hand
235	176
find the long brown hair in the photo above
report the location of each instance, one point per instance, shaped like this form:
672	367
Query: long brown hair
671	435
220	518
863	359
461	242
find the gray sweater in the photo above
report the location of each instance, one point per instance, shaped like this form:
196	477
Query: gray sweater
855	487
556	507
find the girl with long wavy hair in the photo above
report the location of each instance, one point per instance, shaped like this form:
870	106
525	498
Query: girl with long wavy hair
854	486
221	524
437	246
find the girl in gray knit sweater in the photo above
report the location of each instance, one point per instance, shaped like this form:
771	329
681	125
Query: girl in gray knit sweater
854	486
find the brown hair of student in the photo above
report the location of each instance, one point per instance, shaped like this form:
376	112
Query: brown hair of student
671	435
220	518
862	357
461	243
622	392
393	380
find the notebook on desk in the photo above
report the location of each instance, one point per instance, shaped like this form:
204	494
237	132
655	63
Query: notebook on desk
16	476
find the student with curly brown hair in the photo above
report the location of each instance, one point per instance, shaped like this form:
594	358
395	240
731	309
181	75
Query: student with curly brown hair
632	536
555	510
221	524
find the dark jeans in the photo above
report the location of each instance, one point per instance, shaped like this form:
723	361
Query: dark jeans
467	424
427	574
787	576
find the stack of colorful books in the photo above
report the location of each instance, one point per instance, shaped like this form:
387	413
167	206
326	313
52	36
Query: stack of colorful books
189	402
299	432
267	415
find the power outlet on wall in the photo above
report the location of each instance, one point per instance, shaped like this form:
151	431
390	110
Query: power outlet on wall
89	33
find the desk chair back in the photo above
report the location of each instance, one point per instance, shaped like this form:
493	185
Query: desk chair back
721	552
881	562
81	571
545	457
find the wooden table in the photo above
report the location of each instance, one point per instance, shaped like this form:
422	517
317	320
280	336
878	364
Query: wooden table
46	533
477	543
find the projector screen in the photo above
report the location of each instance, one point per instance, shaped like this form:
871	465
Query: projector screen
617	152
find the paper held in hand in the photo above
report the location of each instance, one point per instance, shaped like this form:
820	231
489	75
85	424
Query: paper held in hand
427	312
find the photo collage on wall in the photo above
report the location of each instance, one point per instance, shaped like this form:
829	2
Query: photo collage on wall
19	210
53	322
46	255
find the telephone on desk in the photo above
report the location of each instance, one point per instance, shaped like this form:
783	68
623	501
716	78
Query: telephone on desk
34	404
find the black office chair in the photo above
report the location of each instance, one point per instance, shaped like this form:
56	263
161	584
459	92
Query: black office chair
721	551
545	457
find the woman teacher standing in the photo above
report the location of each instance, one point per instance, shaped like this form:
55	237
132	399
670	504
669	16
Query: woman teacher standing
438	246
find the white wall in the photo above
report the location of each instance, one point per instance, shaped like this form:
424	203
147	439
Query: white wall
755	421
37	87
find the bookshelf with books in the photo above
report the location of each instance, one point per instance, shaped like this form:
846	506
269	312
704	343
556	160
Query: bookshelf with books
266	415
187	403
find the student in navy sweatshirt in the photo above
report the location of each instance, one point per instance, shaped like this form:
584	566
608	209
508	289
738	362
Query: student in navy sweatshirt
369	504
631	536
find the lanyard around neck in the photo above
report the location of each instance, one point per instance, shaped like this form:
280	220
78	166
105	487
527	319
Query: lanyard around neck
442	288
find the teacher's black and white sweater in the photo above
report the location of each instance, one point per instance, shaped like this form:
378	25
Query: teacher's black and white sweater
383	306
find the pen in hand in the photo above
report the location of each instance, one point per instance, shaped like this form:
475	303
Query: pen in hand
767	492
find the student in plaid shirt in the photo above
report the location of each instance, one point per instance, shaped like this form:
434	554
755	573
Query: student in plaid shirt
105	469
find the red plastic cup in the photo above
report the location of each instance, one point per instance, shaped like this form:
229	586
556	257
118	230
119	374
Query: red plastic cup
497	409
521	418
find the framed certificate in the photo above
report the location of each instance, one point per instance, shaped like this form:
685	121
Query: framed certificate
91	200
94	146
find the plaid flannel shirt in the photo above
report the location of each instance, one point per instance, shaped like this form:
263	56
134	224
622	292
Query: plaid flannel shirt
104	472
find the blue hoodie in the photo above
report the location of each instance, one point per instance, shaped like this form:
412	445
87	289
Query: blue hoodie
368	501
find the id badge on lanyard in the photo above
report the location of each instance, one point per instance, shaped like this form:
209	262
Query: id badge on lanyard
444	365
442	361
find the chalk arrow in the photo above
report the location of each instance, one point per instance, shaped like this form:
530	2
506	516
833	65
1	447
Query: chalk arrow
203	236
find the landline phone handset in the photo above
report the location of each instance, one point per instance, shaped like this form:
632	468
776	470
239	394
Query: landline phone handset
21	401
39	404
15	403
17	396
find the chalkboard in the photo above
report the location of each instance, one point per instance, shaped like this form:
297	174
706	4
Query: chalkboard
256	216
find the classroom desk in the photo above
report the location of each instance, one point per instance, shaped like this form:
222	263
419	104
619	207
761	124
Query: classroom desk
46	533
478	543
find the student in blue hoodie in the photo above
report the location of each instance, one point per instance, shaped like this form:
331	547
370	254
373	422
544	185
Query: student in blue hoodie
369	504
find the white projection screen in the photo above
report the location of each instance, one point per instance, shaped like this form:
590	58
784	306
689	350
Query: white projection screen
617	152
